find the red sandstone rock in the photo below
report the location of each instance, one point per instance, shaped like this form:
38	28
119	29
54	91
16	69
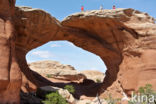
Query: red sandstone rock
10	74
123	38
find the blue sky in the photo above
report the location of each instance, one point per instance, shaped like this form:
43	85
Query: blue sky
63	8
66	52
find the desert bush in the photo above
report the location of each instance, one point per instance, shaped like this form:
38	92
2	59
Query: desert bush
111	100
98	80
145	95
54	98
48	75
70	88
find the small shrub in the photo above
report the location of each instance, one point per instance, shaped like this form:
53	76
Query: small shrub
146	91
54	98
98	80
111	100
48	75
70	88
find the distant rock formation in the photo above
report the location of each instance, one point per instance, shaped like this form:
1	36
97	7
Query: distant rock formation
57	70
94	75
52	67
124	39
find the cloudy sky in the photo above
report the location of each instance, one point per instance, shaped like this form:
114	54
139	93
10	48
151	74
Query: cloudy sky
65	52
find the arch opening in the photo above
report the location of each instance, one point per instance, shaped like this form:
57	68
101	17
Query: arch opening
55	61
66	52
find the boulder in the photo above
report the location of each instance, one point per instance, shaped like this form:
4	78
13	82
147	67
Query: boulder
94	75
65	94
43	91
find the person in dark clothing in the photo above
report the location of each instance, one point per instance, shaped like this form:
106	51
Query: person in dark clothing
114	7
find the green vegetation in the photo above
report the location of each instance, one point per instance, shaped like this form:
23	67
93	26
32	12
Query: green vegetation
54	98
70	88
145	95
111	100
49	76
98	81
146	90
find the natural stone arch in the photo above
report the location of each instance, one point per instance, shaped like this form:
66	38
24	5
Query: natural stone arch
88	40
123	38
110	34
96	34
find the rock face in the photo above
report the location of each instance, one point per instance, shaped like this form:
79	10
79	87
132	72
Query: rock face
57	70
52	67
94	75
123	38
10	75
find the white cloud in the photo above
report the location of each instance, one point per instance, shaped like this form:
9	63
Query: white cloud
55	45
42	54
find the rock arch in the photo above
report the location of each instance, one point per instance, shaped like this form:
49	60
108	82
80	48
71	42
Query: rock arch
123	38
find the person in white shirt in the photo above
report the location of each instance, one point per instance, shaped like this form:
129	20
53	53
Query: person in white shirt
101	7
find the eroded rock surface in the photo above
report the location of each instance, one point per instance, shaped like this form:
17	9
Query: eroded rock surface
10	75
126	43
94	75
52	67
58	71
123	38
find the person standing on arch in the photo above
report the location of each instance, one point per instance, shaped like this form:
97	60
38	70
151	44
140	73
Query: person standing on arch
101	7
82	8
114	7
